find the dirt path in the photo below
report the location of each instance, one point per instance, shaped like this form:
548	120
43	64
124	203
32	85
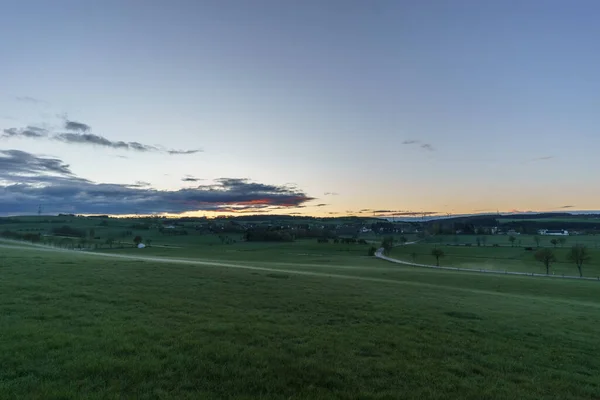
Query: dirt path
379	254
43	248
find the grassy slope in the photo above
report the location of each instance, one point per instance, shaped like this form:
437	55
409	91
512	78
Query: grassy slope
77	326
498	258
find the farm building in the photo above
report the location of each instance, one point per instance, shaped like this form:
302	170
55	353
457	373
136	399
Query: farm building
553	232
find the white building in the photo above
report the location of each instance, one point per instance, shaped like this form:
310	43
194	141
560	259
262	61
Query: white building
553	232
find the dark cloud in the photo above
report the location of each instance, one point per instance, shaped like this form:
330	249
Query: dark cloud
410	142
28	99
76	126
27	180
28	132
80	134
566	206
91	139
321	205
427	146
20	164
331	194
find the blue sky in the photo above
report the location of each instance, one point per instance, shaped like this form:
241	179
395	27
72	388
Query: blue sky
461	106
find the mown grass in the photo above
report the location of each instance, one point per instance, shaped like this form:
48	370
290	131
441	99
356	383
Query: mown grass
83	326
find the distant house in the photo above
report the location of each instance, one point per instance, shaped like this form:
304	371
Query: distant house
512	232
553	232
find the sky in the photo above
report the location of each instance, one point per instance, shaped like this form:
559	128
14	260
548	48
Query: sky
310	107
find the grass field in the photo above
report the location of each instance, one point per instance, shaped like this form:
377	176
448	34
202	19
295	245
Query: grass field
77	325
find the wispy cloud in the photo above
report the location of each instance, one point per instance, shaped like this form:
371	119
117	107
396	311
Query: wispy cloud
27	180
28	132
189	178
91	139
321	205
331	194
543	158
79	134
424	146
566	206
178	152
29	99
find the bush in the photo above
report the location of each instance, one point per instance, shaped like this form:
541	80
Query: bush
372	251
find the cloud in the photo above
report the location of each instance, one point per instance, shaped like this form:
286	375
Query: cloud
27	180
28	132
91	139
28	99
321	205
178	152
424	146
15	164
80	135
76	126
140	184
189	178
331	194
566	206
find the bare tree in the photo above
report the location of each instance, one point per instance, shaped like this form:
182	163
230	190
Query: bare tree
554	242
437	253
562	241
546	257
579	254
512	239
413	255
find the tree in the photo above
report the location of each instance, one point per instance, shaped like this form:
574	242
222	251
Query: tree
546	257
148	242
387	244
579	254
478	240
92	233
403	240
484	240
537	241
562	241
413	255
437	253
372	251
512	239
554	242
137	240
110	242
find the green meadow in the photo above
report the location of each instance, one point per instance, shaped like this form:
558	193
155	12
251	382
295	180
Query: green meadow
295	320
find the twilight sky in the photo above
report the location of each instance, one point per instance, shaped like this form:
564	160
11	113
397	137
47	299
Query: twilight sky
311	107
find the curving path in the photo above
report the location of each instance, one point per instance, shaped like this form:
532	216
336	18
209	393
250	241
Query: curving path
379	254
